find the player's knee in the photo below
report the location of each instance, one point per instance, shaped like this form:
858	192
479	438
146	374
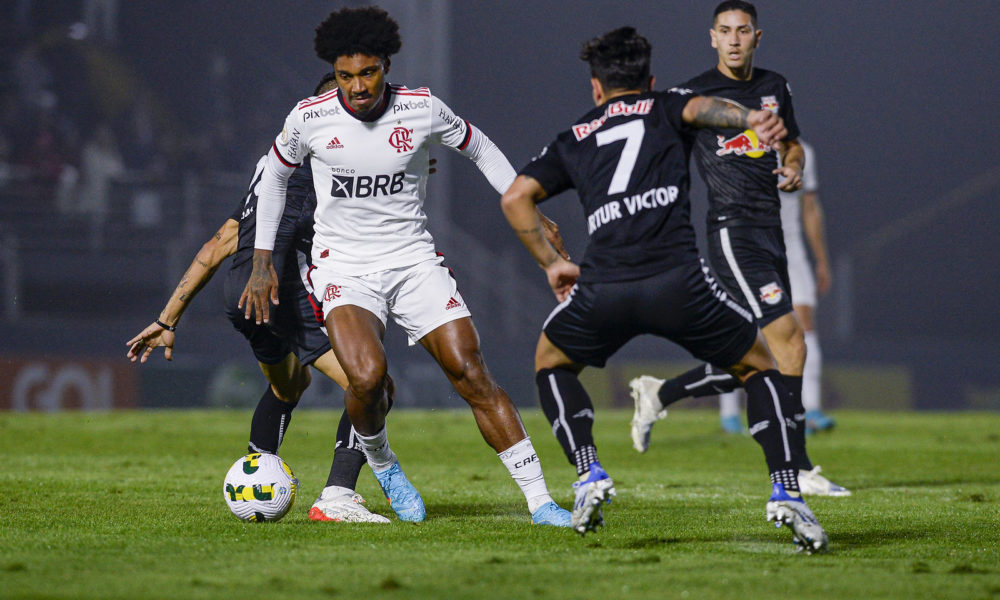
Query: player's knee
472	380
369	381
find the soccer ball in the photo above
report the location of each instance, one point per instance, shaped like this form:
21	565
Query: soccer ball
260	487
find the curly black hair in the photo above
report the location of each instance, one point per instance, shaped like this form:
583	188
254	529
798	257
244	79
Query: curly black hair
619	59
325	82
349	31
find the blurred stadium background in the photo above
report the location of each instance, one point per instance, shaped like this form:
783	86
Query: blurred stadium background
128	131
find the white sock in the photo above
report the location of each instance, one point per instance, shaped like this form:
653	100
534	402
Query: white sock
335	491
525	468
729	404
376	448
812	372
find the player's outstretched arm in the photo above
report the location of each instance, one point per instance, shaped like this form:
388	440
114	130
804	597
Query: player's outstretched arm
518	204
206	262
812	224
706	111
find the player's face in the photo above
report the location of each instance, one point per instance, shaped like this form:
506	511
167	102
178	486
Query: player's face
361	79
735	38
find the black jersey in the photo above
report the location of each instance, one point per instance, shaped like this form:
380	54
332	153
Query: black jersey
736	167
296	228
628	161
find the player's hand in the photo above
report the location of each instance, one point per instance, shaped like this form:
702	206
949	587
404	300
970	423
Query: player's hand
824	278
261	288
792	178
153	336
769	127
562	275
551	231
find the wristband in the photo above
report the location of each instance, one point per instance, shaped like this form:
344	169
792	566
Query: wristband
165	326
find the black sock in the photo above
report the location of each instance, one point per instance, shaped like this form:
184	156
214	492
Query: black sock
347	457
793	406
270	420
769	426
570	411
704	380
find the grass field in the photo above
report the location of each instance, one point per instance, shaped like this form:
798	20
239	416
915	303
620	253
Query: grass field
129	504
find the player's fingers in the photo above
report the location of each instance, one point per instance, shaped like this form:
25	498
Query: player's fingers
168	353
146	354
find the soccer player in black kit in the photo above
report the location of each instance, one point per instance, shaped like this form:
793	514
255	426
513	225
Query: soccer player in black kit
627	160
745	241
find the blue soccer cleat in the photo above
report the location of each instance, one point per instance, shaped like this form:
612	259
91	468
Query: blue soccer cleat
731	424
790	510
591	492
404	499
816	420
551	514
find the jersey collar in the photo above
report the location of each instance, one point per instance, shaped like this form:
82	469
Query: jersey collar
376	113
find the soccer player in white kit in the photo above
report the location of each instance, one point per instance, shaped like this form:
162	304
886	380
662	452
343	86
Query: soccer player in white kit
369	142
801	217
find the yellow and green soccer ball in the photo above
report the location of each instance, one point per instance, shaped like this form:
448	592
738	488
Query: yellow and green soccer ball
260	487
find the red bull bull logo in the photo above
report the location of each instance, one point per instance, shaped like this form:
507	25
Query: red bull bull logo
769	103
771	294
743	144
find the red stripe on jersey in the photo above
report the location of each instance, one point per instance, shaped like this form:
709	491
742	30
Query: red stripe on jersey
468	136
282	158
319	99
404	91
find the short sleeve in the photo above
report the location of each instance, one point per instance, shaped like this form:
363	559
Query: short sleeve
787	112
672	103
549	170
289	144
447	128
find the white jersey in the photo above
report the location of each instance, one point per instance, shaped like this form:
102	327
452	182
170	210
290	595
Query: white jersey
370	174
800	273
791	202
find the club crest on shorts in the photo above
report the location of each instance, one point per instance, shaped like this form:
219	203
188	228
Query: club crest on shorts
332	292
771	294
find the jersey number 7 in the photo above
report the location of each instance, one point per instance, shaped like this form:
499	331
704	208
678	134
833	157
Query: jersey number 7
632	132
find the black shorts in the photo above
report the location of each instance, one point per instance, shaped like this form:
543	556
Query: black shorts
294	327
682	304
751	265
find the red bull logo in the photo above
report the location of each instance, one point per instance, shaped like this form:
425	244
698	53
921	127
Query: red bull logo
769	103
771	294
743	144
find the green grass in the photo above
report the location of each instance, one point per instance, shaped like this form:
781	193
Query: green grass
129	504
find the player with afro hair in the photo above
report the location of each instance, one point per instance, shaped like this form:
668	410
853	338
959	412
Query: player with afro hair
349	31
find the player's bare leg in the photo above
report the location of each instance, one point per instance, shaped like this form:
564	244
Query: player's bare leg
816	419
785	338
356	336
455	346
569	409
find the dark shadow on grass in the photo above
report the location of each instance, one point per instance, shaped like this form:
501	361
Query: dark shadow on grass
929	483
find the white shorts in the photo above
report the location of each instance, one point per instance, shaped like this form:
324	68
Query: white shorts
800	273
420	297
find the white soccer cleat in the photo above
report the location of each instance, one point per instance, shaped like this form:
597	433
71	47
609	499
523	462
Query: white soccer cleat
648	409
793	512
811	483
596	489
335	505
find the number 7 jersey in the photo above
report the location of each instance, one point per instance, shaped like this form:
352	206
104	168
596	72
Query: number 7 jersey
370	175
628	161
